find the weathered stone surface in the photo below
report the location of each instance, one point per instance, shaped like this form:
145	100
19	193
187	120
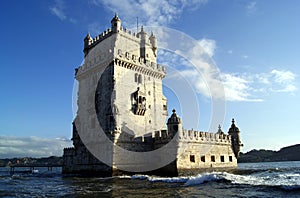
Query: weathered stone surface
120	92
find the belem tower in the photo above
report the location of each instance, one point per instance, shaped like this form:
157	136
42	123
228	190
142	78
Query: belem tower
121	126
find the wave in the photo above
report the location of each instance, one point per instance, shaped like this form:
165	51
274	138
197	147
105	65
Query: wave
286	181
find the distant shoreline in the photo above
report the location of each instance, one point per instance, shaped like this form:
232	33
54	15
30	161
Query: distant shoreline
289	153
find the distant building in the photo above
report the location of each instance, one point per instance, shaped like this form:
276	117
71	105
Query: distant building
122	83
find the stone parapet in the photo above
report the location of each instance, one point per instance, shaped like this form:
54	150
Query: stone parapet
204	137
148	68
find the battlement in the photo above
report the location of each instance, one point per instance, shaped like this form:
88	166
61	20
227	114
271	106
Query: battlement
108	32
69	151
200	136
90	42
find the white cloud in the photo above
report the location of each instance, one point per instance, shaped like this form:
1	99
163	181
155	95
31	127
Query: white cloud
284	79
11	146
251	7
206	79
58	10
150	12
238	88
283	76
208	45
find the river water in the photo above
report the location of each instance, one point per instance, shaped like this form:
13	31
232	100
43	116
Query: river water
272	179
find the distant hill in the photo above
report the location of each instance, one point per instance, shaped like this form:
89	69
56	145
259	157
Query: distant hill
290	153
30	160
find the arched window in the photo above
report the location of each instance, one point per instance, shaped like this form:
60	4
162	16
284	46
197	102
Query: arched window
136	76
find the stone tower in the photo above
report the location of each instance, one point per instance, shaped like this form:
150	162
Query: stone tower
122	113
128	95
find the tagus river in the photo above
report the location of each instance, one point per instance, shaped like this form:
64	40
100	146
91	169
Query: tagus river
272	179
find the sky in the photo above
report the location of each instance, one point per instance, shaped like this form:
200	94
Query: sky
253	44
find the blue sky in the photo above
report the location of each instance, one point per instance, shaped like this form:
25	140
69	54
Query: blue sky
254	44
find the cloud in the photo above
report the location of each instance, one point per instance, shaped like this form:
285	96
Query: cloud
284	79
195	66
208	45
150	12
11	146
238	88
58	9
251	7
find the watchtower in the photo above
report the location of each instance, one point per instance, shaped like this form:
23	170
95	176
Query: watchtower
129	96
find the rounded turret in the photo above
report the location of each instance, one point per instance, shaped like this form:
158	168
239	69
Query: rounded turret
143	35
174	119
116	23
88	40
236	144
174	124
153	42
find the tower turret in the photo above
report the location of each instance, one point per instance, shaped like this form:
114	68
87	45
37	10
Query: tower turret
153	42
87	42
236	144
144	40
174	124
220	132
115	23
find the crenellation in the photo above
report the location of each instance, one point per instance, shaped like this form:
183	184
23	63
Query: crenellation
200	136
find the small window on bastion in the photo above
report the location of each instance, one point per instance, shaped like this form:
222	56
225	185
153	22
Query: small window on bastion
202	158
212	158
222	158
192	158
230	158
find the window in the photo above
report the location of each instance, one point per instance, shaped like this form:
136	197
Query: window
212	158
140	79
165	107
149	106
202	158
134	58
192	158
136	77
222	158
149	93
230	158
120	52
